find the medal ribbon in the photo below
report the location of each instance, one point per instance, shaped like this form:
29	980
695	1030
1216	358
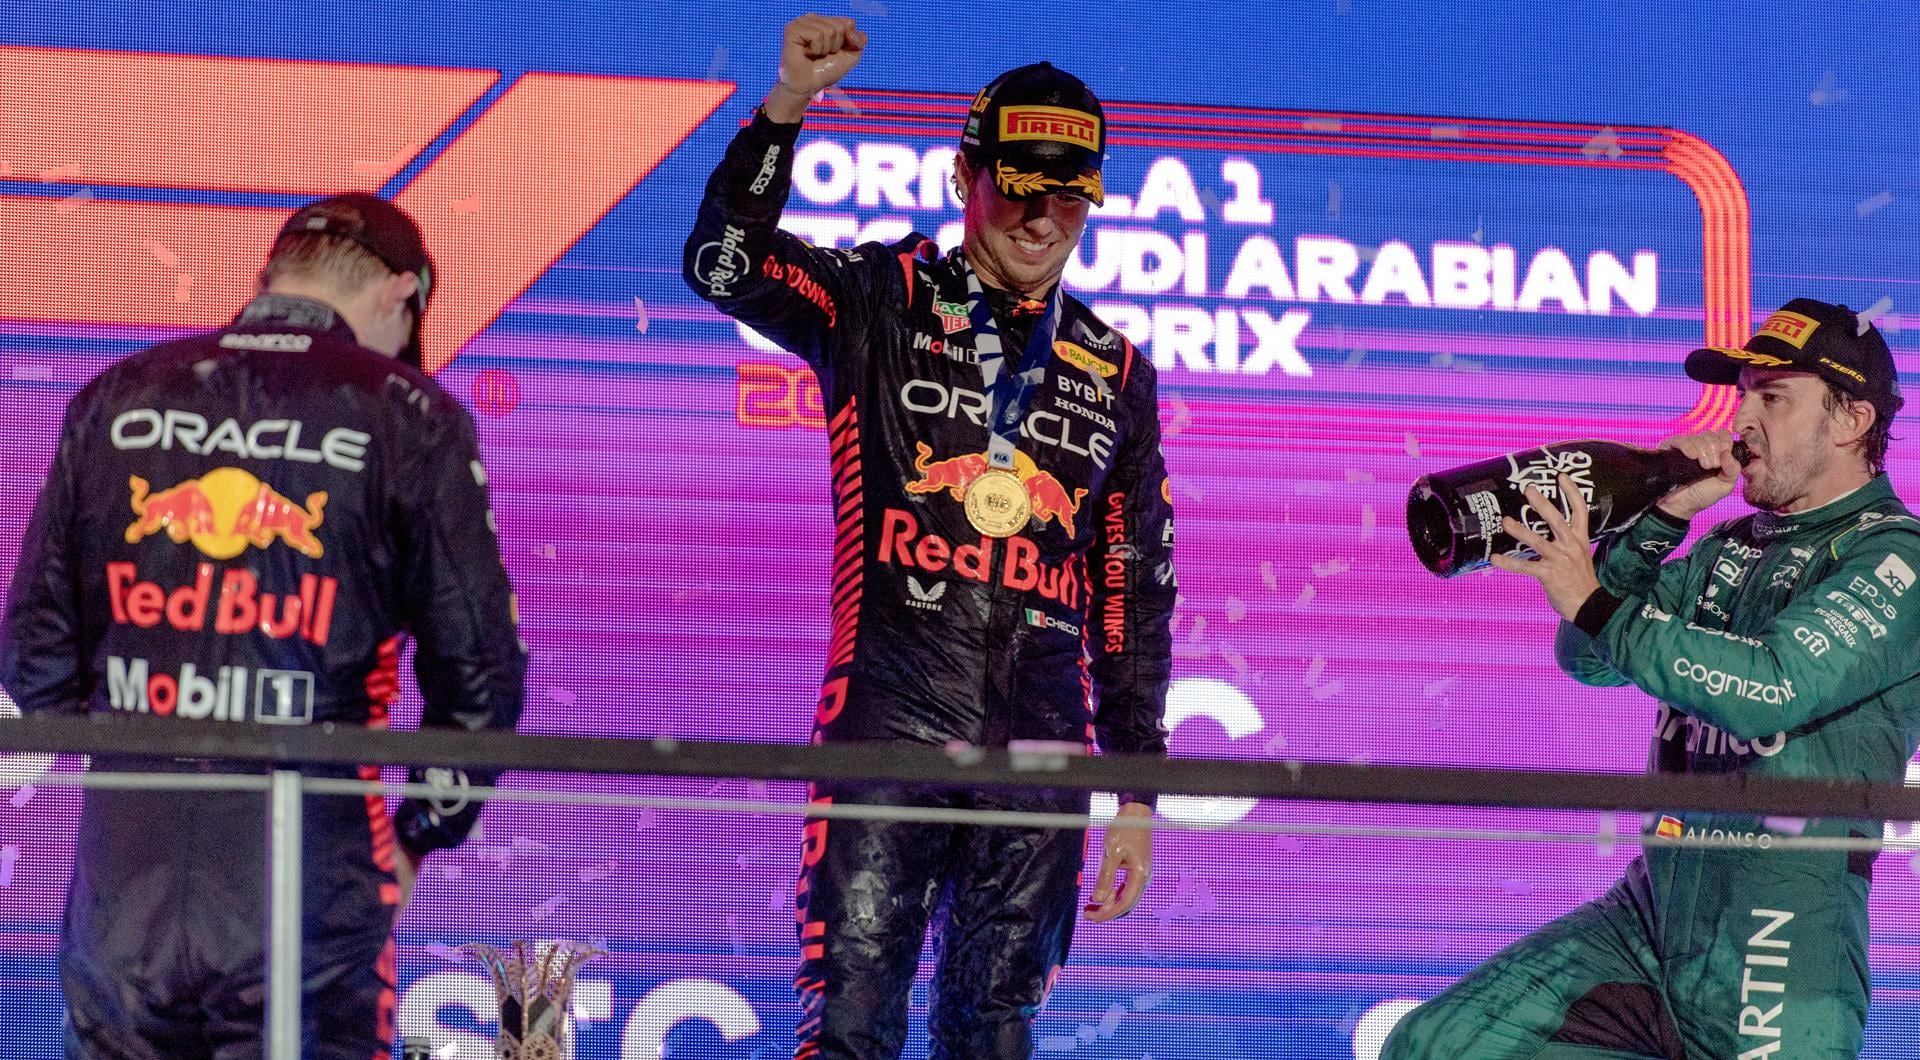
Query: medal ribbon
1008	393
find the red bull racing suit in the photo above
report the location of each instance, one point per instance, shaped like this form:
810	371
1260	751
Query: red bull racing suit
1782	645
237	530
1056	633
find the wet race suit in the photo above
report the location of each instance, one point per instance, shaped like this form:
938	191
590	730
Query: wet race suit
237	529
939	633
1782	645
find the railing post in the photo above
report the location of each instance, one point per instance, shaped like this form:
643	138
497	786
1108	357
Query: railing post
283	916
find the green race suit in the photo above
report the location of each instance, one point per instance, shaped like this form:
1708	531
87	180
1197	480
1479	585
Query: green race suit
1781	645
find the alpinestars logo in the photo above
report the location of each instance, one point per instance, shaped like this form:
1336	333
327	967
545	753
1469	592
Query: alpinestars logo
924	598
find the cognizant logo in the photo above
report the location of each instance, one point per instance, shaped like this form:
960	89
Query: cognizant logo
1720	682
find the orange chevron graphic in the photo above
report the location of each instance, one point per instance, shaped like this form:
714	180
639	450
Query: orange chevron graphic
532	174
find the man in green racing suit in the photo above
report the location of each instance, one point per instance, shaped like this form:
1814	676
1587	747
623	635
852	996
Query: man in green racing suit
1781	645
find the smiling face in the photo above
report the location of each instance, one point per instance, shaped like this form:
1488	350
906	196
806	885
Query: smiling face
1802	450
1018	245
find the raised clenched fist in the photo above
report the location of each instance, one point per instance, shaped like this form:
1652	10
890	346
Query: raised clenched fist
816	51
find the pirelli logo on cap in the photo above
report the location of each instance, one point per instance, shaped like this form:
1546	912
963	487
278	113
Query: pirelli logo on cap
1058	124
1669	828
1791	328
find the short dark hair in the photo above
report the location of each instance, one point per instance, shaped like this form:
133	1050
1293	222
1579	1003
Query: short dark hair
1873	444
343	263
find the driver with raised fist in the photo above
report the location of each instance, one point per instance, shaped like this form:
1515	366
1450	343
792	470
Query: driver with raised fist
1003	542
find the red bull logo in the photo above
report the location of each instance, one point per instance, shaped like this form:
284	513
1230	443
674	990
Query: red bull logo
1050	500
223	512
1015	561
238	607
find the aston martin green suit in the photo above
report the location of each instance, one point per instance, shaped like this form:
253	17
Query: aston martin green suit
1781	645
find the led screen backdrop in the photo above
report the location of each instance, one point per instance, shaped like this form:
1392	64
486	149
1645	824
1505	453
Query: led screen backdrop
1361	241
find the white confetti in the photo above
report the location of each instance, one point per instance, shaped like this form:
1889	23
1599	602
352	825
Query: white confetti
546	909
1368	517
1182	415
1235	660
1333	194
1199	628
1267	577
869	7
1321	124
1214	207
596	873
23	796
1110	1023
75	201
1306	597
1604	844
1329	568
1413	445
161	254
1324	692
1314	669
841	100
9	856
717	64
1867	316
640	321
563	696
448	1051
1605	142
1236	609
59	174
1480	229
1277	744
443	951
1436	688
1355	474
1354	358
183	288
1445	132
1516	887
1826	93
1871	203
1149	1002
394	163
1442	359
546	551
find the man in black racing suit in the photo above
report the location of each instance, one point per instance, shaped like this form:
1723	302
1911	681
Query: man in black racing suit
239	528
975	599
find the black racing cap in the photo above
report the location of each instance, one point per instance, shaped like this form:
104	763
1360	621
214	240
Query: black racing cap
1810	336
1041	130
381	229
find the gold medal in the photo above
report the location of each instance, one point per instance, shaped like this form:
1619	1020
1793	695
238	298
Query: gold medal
997	504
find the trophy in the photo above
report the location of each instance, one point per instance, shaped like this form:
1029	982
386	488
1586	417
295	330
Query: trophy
535	991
